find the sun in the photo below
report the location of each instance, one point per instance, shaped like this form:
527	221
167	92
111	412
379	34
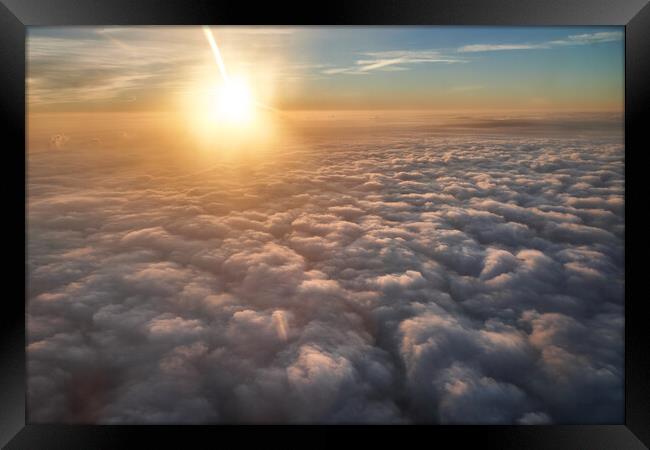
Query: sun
232	102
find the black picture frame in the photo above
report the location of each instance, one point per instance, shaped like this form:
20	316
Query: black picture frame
16	15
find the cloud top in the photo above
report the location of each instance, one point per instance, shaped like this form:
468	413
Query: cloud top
415	279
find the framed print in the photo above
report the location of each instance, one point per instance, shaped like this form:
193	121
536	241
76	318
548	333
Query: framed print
365	217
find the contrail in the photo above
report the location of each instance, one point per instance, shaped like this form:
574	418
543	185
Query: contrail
103	33
217	53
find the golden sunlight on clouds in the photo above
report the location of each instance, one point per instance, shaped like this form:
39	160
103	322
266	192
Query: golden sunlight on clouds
325	225
226	106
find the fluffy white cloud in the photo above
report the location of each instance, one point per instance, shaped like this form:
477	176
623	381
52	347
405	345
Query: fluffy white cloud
386	279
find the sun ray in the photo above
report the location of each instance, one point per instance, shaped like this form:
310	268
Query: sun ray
235	92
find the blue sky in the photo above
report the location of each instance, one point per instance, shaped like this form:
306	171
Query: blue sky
568	68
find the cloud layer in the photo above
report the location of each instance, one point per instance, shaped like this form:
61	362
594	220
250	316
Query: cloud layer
403	279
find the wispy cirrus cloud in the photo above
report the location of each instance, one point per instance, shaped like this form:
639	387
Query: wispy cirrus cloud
392	60
498	47
111	66
576	39
591	38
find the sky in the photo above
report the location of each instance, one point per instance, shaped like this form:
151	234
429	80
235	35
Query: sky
201	249
438	68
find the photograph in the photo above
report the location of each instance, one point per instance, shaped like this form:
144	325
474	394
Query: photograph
319	225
